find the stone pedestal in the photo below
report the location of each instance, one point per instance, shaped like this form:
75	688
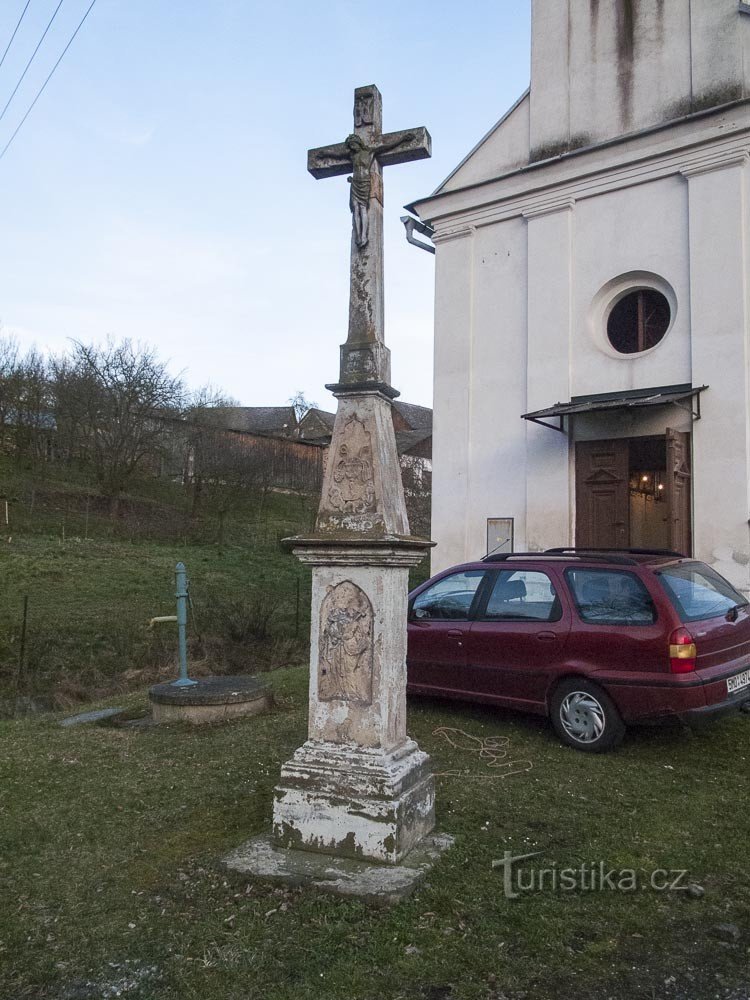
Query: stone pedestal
358	787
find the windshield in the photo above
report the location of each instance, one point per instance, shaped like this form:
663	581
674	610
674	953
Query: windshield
697	591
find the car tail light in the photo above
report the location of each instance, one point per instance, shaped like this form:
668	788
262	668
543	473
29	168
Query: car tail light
682	652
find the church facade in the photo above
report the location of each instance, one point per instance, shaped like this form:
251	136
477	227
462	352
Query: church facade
592	360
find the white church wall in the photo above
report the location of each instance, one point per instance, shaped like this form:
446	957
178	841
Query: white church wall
504	148
480	388
551	241
454	291
639	231
719	295
603	69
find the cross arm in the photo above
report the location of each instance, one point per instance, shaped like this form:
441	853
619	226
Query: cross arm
329	161
404	146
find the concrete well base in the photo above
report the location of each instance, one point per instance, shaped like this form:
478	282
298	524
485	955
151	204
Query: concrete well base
375	883
212	699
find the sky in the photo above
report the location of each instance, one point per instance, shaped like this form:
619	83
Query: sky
158	190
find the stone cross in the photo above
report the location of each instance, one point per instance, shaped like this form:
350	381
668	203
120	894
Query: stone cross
364	154
358	786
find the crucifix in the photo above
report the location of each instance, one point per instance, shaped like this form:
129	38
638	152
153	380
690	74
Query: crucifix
359	786
363	154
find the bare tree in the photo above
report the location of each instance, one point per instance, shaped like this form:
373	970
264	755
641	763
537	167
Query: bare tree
202	430
112	402
8	386
33	411
301	404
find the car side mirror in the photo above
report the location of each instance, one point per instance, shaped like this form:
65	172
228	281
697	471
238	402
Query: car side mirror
421	613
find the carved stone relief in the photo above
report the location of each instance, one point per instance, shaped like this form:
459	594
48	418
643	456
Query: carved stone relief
352	489
360	362
346	645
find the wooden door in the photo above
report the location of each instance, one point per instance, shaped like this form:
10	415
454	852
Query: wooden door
679	508
602	497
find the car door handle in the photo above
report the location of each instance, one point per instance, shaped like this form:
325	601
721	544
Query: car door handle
546	636
455	633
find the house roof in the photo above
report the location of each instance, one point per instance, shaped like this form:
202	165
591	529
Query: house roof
272	420
410	441
316	416
417	417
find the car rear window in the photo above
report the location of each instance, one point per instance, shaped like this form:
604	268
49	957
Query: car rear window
610	597
697	591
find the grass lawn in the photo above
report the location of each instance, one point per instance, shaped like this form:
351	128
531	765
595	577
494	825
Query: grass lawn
110	842
94	581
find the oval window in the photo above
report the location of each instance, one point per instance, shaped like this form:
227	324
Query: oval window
638	321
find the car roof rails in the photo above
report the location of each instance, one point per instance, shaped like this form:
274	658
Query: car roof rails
626	551
605	555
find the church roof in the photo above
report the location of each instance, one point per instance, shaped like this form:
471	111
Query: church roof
504	148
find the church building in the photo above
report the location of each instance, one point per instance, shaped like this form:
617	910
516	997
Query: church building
592	363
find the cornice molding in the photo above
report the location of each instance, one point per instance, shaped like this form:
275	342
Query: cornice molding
550	207
453	233
712	163
564	194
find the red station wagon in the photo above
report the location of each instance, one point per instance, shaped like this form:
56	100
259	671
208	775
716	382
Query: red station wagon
595	640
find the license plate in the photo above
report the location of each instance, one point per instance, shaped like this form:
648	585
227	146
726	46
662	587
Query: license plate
738	682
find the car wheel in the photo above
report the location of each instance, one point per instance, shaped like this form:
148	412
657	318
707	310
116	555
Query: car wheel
585	717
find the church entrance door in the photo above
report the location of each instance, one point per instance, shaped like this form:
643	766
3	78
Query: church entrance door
634	493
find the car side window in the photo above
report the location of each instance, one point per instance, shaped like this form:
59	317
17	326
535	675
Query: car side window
610	597
449	599
523	595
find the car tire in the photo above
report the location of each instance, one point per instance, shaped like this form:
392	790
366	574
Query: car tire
585	717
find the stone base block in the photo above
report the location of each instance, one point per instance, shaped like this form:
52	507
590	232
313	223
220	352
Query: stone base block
211	699
374	883
355	802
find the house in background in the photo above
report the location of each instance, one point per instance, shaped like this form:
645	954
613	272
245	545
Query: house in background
592	361
272	421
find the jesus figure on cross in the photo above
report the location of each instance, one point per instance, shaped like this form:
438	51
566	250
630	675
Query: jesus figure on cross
362	157
363	154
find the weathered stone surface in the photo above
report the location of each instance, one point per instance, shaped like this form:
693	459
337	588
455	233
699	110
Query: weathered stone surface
362	488
375	883
355	802
364	153
211	699
359	787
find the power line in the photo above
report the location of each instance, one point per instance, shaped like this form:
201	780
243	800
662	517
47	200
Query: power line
49	77
26	68
15	30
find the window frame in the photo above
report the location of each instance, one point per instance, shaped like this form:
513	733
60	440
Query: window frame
480	612
471	614
619	571
640	332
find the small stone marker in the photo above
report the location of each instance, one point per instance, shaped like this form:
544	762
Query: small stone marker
359	787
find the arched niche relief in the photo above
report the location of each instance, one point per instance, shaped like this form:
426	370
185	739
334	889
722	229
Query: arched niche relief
345	661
